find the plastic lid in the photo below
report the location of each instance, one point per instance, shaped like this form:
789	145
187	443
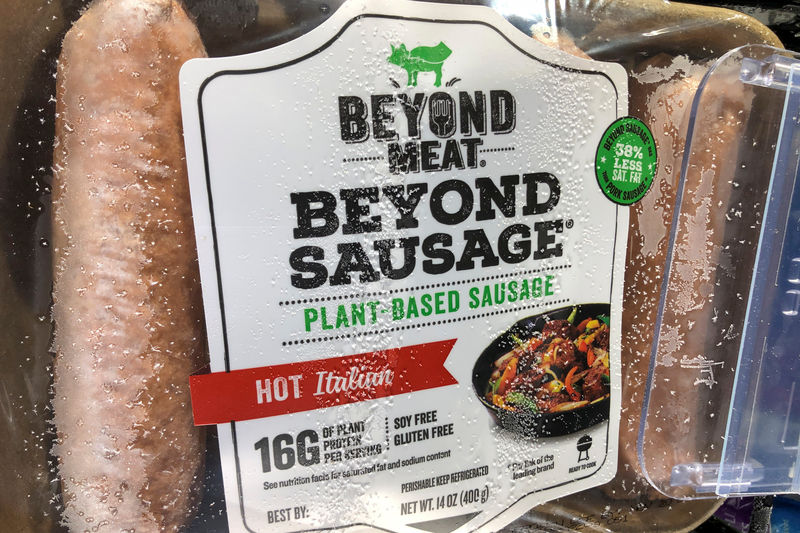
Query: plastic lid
725	368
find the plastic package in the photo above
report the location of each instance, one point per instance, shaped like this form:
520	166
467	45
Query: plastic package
750	444
665	49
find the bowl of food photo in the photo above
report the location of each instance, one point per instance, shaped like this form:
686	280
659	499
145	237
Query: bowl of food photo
548	374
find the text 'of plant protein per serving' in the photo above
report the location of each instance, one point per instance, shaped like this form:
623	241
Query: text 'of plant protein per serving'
411	278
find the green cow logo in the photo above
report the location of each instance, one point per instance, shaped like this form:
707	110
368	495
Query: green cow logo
420	59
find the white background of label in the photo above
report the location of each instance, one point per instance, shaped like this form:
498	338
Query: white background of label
271	133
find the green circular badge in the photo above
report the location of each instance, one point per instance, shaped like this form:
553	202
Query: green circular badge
626	161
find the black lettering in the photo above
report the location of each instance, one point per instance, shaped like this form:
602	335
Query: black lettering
473	112
355	211
384	248
522	247
488	193
452	155
413	112
381	118
445	256
353	119
403	159
406	205
428	155
532	181
477	245
437	201
306	214
353	259
504	112
472	151
545	239
303	261
307	455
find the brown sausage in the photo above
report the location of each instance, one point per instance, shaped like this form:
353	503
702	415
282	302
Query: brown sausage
714	156
705	305
661	93
127	308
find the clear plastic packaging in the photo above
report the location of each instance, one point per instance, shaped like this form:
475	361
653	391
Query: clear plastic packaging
665	48
741	337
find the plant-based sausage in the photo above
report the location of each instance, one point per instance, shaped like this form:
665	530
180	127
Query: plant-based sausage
127	307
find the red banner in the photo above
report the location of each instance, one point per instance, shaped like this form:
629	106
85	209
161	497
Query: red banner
252	393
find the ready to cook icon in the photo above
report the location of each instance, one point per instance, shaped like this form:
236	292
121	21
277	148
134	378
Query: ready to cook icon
584	443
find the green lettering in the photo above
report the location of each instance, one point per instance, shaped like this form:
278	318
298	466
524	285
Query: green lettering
341	318
358	314
310	316
453	301
537	287
524	290
487	297
439	303
373	313
425	299
512	291
499	293
324	317
397	309
473	298
413	310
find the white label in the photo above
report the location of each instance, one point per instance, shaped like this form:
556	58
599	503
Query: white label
384	208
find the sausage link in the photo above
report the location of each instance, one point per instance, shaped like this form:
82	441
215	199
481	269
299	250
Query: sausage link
127	308
662	101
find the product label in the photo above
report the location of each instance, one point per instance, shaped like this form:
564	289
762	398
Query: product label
626	161
411	278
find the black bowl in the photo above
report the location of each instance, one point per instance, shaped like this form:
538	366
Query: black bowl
537	424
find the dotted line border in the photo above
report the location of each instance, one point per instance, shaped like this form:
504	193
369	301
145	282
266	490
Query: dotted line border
359	159
420	287
489	150
422	325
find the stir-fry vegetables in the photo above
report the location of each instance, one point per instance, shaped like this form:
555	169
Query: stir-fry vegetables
563	367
